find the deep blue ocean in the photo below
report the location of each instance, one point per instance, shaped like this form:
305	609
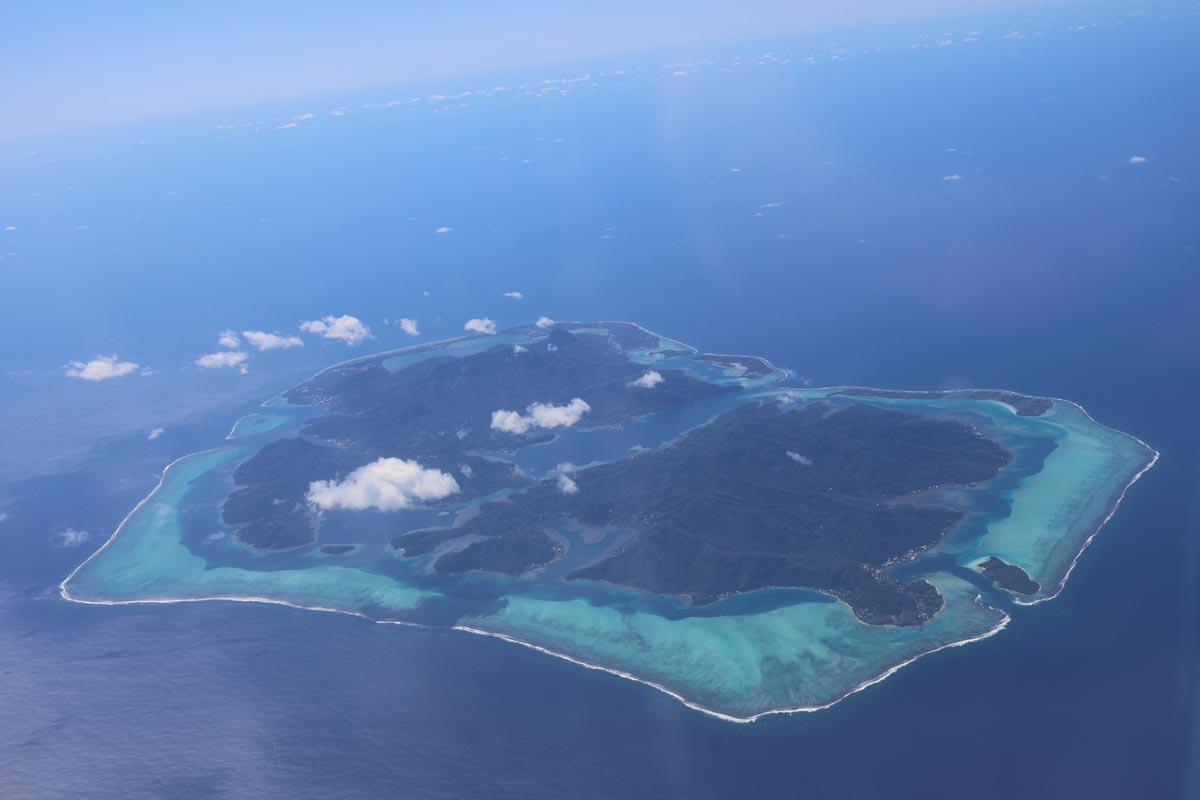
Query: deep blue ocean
757	203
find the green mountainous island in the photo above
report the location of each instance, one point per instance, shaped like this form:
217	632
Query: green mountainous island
702	523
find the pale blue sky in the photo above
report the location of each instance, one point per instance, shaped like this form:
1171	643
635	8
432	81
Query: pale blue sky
68	64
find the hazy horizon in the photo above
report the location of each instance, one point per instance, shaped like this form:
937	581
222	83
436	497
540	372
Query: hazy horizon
108	64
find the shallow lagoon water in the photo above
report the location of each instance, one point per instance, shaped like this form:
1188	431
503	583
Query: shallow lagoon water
760	653
1032	272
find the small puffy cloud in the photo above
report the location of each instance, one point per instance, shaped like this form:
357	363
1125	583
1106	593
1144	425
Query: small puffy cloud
305	115
789	397
648	380
229	339
540	415
484	325
100	368
544	322
345	328
519	348
952	178
443	229
514	295
261	340
222	360
566	484
389	484
154	434
1137	160
799	459
409	326
71	537
466	470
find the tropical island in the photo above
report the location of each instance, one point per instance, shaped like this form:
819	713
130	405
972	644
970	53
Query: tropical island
702	523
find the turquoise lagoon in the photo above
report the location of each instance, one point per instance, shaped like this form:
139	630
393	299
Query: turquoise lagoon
742	657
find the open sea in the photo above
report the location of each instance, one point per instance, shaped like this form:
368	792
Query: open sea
865	206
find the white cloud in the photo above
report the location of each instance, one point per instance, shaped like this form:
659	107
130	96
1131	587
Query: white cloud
540	415
544	322
389	484
229	339
261	340
305	115
100	368
1138	160
514	295
519	348
71	537
227	358
154	434
799	459
443	229
477	325
648	381
567	484
345	328
951	178
466	470
409	326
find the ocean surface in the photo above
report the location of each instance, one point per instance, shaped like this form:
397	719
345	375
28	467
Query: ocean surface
1050	265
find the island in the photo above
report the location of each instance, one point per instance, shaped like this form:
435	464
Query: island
704	524
736	506
1009	576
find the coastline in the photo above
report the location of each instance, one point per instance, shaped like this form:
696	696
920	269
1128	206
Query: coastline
66	594
889	672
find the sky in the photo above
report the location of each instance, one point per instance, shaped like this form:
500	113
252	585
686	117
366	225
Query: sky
87	62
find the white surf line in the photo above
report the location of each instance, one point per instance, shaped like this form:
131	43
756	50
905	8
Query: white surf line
65	592
62	586
1154	456
1087	542
66	595
233	431
889	672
